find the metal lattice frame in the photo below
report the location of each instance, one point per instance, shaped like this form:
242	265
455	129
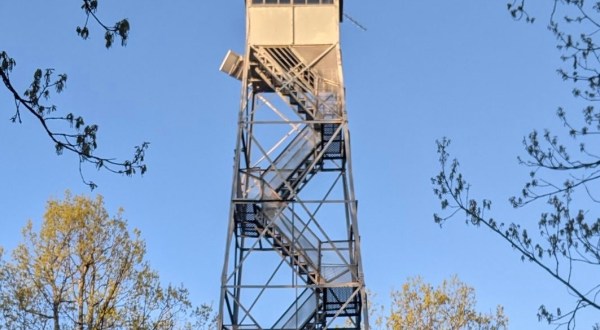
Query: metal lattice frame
292	258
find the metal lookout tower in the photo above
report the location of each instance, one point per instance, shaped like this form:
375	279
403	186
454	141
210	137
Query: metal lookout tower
292	258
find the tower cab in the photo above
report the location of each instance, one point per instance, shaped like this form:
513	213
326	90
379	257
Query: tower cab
293	22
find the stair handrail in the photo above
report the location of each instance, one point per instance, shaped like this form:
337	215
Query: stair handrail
286	80
305	137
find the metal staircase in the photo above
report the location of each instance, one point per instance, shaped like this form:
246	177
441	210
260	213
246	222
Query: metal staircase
269	191
270	213
284	73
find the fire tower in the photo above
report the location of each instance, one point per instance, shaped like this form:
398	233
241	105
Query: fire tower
292	258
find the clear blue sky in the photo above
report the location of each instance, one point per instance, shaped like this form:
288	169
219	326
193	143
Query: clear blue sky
423	70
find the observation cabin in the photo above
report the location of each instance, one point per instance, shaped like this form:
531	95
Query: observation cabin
310	28
293	22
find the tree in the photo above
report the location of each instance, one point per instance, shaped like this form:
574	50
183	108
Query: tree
85	270
69	132
562	172
450	306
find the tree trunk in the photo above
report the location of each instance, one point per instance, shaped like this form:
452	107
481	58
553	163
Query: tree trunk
55	309
81	298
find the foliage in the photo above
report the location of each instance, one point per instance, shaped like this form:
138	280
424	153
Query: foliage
450	306
69	131
120	28
562	171
85	270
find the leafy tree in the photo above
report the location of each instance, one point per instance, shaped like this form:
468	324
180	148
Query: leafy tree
70	132
564	172
85	270
450	306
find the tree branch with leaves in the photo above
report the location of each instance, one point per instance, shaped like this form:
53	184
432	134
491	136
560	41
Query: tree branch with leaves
70	132
564	243
563	170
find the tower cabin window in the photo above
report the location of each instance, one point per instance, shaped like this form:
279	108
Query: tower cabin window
296	2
